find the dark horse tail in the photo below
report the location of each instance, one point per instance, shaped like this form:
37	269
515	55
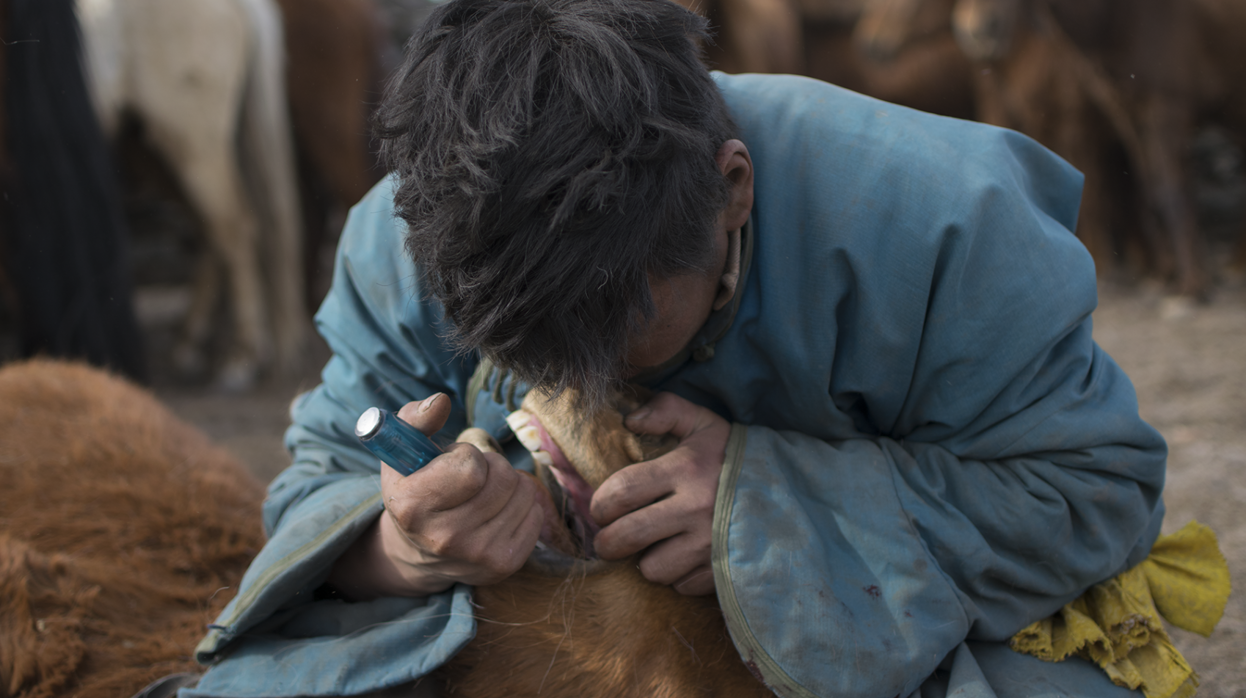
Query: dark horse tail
64	243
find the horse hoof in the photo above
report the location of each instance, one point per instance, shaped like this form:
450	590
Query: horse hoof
189	361
237	376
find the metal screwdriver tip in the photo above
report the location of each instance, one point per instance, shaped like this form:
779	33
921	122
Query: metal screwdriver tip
368	424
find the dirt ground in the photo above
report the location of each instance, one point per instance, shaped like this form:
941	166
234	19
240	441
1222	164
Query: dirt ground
1189	366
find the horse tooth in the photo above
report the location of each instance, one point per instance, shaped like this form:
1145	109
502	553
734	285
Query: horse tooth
528	434
543	458
518	419
530	437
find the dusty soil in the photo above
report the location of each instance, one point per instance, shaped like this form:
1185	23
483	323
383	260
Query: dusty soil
1189	367
1188	364
251	425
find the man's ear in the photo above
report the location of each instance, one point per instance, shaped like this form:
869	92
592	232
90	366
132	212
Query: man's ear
736	165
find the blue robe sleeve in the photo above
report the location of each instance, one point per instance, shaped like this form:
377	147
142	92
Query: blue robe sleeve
274	638
929	447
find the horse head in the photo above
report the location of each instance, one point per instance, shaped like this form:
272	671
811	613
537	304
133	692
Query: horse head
985	29
573	454
569	624
884	28
888	27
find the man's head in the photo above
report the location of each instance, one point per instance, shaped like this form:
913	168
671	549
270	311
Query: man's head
553	157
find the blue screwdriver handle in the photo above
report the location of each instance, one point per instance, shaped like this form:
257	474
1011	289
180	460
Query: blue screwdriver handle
405	448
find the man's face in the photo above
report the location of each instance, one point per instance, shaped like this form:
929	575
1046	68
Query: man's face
683	303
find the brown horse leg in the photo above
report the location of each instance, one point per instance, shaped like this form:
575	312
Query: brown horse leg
1081	136
333	65
1165	125
1238	262
333	77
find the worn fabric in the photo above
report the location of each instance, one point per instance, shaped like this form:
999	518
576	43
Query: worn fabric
1116	623
929	452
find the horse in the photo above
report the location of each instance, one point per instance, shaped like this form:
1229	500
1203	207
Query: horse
754	36
204	77
1029	88
1143	74
907	54
123	532
336	53
821	39
566	626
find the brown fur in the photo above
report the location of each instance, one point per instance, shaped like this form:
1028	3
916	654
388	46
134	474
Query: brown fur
333	79
596	629
1141	73
751	36
833	41
123	532
1032	92
906	53
900	51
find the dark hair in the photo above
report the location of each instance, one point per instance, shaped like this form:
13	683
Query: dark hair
550	155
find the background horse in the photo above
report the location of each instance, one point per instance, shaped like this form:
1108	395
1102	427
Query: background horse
900	51
1143	74
204	77
123	531
907	54
336	53
565	626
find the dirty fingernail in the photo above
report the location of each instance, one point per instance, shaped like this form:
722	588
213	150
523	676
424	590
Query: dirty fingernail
429	402
639	414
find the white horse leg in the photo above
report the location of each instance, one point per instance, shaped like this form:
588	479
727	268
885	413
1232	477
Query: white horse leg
268	157
188	70
211	181
188	354
104	59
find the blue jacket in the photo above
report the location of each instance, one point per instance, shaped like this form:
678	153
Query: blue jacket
929	451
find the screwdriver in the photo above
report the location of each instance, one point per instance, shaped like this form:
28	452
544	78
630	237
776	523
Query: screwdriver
405	448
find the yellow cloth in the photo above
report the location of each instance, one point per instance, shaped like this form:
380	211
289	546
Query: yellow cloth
1116	624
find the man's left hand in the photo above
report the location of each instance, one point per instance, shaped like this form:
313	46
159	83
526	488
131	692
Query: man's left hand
666	506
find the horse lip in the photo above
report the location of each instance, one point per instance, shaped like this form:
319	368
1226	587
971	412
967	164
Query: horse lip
551	562
566	513
579	524
556	477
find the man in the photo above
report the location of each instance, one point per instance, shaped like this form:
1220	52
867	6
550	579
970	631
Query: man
869	329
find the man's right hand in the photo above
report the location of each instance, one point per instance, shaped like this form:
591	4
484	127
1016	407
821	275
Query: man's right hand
467	517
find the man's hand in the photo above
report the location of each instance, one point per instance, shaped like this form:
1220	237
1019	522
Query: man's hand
667	504
467	516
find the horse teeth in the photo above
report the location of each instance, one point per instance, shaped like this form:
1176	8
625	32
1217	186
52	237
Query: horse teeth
529	434
530	437
518	419
520	422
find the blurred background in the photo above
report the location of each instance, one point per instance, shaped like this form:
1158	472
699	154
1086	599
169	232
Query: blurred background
174	176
